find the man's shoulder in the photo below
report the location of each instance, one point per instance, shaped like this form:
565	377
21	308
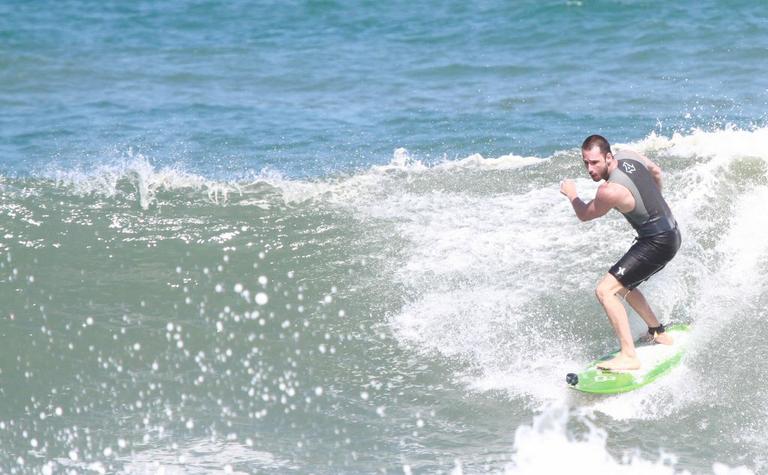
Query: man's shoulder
611	191
627	154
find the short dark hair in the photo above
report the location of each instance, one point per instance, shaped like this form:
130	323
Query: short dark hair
597	141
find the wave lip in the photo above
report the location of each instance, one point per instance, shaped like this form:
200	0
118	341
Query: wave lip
137	174
549	434
725	144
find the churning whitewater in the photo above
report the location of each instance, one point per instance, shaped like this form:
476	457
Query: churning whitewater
416	317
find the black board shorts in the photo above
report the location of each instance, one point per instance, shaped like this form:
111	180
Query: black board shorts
647	256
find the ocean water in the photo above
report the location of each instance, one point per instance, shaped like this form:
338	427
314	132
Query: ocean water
327	237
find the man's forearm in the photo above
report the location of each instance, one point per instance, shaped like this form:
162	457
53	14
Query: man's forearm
579	207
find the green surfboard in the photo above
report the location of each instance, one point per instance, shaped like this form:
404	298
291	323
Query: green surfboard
656	361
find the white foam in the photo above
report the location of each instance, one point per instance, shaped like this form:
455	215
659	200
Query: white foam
535	445
137	170
369	185
147	179
549	446
744	250
481	264
477	161
724	144
403	161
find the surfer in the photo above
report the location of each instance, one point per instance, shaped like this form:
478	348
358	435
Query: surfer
633	187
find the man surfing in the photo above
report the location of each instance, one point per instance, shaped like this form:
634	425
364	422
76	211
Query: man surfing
633	187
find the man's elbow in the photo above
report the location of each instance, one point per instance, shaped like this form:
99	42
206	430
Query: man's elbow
657	178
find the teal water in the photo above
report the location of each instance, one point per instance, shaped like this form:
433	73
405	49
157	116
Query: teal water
328	237
311	88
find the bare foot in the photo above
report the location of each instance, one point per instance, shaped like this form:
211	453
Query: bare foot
621	362
663	338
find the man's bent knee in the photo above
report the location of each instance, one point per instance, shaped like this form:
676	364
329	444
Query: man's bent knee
608	287
602	292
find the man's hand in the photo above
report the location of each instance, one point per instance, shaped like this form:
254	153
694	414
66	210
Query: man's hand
568	188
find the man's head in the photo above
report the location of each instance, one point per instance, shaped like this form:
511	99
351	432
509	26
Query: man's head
597	156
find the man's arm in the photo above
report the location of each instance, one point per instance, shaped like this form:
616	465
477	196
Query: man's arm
604	201
654	169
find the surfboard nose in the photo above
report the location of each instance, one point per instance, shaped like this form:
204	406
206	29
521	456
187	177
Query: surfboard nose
572	379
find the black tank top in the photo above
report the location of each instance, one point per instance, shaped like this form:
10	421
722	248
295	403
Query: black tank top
651	214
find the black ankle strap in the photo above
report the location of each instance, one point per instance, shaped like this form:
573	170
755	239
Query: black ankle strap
656	330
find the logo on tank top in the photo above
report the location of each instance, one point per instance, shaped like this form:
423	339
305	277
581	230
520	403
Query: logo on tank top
628	167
